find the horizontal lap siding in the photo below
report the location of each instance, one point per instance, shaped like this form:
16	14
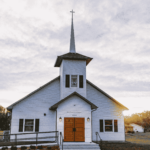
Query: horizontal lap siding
72	67
107	109
75	107
34	107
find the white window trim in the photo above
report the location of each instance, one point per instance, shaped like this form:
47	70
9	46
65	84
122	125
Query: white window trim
24	125
77	80
112	126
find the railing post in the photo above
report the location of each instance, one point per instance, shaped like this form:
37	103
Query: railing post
36	137
60	138
62	143
96	136
16	139
56	137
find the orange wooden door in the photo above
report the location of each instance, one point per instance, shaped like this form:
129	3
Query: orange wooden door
79	133
68	129
74	130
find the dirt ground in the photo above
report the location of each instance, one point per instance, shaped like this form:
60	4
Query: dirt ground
139	138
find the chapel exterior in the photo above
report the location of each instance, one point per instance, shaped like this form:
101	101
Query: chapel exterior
70	104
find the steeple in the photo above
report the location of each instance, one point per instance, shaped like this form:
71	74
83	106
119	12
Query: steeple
72	39
72	55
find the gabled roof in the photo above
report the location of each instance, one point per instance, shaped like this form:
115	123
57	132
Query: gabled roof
132	124
125	108
11	106
72	56
128	126
74	93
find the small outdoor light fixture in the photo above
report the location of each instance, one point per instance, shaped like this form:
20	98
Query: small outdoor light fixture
88	119
60	119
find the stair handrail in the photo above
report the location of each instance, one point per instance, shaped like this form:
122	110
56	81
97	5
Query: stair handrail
61	139
97	135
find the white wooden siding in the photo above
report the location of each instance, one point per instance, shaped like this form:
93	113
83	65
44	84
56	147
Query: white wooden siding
34	107
107	109
72	67
80	110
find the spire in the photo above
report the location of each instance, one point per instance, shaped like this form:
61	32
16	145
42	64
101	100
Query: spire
72	39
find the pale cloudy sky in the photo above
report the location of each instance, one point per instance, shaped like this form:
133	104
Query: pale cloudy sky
115	33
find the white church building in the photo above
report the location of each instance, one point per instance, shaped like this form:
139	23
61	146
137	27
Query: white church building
70	104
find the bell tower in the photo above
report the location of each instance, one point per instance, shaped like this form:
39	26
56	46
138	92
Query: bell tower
72	69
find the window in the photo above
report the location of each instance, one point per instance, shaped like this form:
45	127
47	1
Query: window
20	125
115	126
81	81
29	124
108	125
73	80
67	80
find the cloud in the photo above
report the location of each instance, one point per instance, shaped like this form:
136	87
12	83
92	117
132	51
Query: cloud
115	33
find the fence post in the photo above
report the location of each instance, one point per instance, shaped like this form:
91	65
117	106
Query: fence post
36	137
16	139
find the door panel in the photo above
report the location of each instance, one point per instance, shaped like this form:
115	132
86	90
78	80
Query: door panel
70	134
68	129
79	125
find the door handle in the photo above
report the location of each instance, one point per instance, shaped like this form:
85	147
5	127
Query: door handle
74	129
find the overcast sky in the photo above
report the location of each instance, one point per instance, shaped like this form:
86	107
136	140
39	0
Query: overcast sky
115	33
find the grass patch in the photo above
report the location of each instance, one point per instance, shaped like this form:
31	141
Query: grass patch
138	138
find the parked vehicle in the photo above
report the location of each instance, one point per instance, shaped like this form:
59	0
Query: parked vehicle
129	129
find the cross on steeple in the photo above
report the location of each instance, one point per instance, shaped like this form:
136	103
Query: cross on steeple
72	39
72	13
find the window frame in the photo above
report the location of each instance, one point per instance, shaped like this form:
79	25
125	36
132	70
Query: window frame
76	81
29	125
108	125
113	126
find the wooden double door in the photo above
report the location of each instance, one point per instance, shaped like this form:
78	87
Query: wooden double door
74	130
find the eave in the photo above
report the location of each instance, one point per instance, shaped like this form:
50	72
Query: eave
111	98
54	107
72	56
